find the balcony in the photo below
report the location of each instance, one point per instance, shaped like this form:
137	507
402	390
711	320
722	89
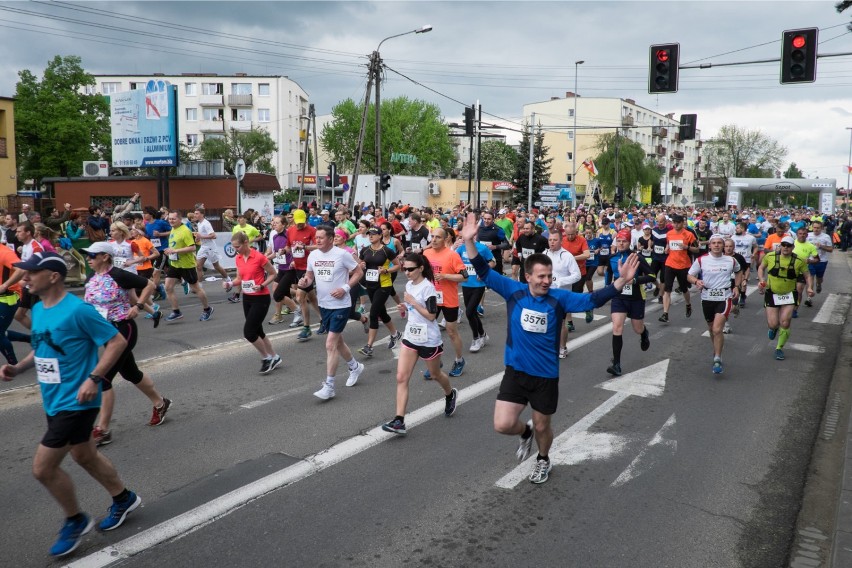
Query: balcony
241	125
627	120
675	172
698	160
211	125
3	153
664	132
661	150
239	100
211	100
677	155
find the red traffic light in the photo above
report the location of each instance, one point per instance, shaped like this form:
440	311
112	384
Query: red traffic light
799	41
662	55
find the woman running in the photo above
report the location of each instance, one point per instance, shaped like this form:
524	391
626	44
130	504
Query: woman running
393	243
285	279
376	262
422	339
606	237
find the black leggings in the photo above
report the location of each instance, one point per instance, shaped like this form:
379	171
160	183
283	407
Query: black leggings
255	308
126	364
378	311
472	297
285	279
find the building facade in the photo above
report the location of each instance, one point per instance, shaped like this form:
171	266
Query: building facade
679	160
8	169
210	105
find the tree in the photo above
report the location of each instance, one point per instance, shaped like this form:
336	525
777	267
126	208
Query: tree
843	5
635	169
541	167
410	127
497	161
737	152
57	127
255	147
793	172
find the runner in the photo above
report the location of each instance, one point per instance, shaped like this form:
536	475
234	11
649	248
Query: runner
529	242
473	290
577	245
591	263
566	273
808	251
67	334
301	238
285	278
335	272
393	243
745	245
10	295
205	236
157	230
376	263
181	253
825	246
535	313
711	274
422	339
659	254
679	243
494	238
254	275
777	273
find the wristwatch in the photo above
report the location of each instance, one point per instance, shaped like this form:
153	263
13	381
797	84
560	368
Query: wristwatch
96	378
140	305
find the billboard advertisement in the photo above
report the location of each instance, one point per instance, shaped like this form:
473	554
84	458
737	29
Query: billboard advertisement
144	126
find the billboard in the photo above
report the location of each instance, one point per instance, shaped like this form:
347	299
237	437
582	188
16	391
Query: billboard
144	126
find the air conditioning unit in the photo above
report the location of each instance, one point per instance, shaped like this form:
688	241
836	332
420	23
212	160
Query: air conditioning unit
96	169
434	188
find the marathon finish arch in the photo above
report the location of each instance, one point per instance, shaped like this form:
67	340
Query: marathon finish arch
826	188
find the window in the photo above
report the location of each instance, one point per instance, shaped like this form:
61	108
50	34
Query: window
569	156
263	115
89	89
192	139
569	177
570	112
214	136
263	89
212	113
109	88
240	88
570	135
134	86
241	114
189	89
211	88
192	114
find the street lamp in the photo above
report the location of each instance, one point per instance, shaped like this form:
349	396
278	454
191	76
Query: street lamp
574	153
848	171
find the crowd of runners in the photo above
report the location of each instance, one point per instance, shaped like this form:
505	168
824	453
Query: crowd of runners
329	265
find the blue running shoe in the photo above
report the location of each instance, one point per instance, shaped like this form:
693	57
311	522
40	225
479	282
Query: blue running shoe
458	368
779	355
771	334
717	367
305	334
174	316
206	314
427	375
795	313
71	535
480	310
119	511
185	288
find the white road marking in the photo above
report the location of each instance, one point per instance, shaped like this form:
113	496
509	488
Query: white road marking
640	464
804	347
683	330
833	310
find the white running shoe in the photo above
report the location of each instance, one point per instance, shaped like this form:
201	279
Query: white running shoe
298	320
354	374
563	353
476	345
484	339
326	392
727	328
443	323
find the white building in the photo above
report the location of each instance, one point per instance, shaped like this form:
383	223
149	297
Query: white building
209	105
679	161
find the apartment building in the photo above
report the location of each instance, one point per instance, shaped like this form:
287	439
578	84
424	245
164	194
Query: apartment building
8	171
209	105
679	161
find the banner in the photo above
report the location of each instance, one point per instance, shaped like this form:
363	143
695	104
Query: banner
645	195
144	126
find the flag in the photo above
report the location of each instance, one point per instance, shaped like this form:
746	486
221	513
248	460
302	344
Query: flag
849	169
590	165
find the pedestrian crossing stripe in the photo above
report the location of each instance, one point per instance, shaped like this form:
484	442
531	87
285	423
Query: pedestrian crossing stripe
833	310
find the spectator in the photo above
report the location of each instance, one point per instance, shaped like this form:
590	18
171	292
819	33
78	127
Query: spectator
97	226
56	219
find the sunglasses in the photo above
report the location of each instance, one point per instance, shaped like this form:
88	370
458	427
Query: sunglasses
410	268
786	245
92	254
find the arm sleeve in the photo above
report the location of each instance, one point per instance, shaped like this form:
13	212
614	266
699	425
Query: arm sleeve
604	295
127	280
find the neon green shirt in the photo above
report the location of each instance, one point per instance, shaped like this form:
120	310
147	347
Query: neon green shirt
250	231
181	237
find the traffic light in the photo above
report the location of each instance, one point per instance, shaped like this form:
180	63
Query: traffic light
662	72
619	194
333	178
687	126
384	185
469	116
799	55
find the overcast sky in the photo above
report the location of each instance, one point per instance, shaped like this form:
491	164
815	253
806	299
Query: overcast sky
504	54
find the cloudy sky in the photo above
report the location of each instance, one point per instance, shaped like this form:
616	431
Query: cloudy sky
504	54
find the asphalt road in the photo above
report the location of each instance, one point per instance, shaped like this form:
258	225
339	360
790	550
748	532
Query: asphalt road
670	466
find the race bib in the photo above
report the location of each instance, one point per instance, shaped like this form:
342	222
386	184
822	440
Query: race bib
717	293
156	243
534	322
279	260
526	252
783	299
119	262
415	247
47	370
372	275
702	245
675	245
415	333
247	286
439	297
471	271
646	252
103	311
659	249
627	290
604	252
173	256
591	256
298	252
324	274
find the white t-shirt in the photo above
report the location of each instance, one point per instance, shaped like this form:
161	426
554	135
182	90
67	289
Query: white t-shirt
123	253
419	330
744	244
716	273
566	271
331	271
821	240
205	229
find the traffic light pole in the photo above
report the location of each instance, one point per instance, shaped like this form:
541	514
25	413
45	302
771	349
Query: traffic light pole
305	161
377	190
359	152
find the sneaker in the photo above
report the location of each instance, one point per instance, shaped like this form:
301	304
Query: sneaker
525	444
589	316
809	303
157	317
322	329
717	367
795	313
476	345
159	414
297	319
234	298
70	535
206	314
450	403
305	334
366	351
264	366
664	318
119	511
688	310
742	301
819	288
563	352
659	299
443	323
614	369
174	316
354	374
102	437
366	323
276	319
540	472
736	310
458	368
285	311
275	363
480	310
570	325
427	376
779	355
185	288
678	290
360	310
326	392
645	339
771	334
656	292
394	340
395	426
485	339
727	329
157	296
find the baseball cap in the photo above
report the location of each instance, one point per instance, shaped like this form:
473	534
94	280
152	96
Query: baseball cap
324	212
502	211
299	216
646	226
99	247
45	261
373	231
786	240
623	235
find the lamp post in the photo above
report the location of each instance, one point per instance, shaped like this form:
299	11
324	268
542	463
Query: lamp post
848	171
574	153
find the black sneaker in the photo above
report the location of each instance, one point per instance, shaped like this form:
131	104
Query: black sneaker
659	299
570	325
614	369
395	426
275	363
450	406
322	330
688	310
664	318
645	339
394	339
265	366
366	350
158	315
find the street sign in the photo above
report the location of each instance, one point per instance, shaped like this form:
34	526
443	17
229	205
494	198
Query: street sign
240	169
551	192
549	199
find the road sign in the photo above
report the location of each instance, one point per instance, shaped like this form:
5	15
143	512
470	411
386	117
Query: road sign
550	199
240	169
553	192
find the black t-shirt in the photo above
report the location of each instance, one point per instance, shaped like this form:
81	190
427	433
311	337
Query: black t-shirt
419	239
376	259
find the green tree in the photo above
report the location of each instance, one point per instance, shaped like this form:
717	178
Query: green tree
541	167
635	169
842	6
498	161
56	127
255	147
738	152
793	172
408	127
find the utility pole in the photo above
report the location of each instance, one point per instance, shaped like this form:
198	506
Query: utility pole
478	126
305	161
530	176
359	152
377	68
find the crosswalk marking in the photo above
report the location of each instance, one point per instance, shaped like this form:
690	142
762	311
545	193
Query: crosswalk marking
833	310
